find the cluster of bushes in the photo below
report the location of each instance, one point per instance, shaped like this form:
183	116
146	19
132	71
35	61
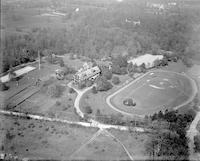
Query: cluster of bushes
51	89
129	102
81	85
102	84
87	109
105	72
55	91
3	87
136	69
71	90
119	65
69	70
115	80
86	83
94	90
89	83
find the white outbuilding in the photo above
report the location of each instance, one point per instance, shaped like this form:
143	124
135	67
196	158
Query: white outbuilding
147	59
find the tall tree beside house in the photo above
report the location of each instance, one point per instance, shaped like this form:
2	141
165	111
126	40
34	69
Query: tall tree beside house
103	84
106	73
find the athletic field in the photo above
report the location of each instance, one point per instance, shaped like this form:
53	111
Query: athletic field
154	91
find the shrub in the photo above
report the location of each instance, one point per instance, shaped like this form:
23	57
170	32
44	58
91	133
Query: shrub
131	74
58	103
61	63
123	70
116	69
94	90
69	70
71	90
3	87
55	91
81	85
9	136
106	73
98	113
87	109
103	84
121	61
47	83
89	83
115	80
129	102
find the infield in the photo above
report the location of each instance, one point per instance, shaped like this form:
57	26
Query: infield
154	91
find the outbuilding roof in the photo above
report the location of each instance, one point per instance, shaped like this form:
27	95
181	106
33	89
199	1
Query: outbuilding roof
146	59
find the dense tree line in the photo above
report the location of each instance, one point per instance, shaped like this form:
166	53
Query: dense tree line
107	35
169	142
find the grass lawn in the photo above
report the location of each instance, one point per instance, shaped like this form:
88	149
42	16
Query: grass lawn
98	101
36	139
42	103
175	67
154	92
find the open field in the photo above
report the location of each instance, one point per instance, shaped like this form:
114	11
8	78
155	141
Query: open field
36	139
102	148
41	140
21	20
134	142
158	90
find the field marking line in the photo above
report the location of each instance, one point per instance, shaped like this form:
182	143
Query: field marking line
87	142
125	149
153	86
